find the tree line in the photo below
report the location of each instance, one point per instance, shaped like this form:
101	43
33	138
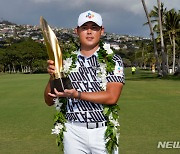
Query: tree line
29	56
26	56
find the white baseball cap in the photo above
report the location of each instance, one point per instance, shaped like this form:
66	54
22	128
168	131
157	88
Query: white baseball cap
89	16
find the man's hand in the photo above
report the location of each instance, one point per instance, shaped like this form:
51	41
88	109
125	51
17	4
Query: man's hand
51	67
51	71
72	93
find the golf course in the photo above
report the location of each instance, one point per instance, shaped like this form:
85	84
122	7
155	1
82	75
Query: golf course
149	113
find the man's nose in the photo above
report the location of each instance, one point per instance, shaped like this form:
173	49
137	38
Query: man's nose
89	30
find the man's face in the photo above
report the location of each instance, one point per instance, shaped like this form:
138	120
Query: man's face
89	34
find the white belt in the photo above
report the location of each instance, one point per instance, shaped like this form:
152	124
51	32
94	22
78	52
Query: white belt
89	125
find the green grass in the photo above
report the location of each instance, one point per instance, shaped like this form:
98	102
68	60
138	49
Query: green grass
25	120
150	112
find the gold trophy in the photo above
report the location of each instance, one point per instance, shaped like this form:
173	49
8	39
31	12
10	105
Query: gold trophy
55	54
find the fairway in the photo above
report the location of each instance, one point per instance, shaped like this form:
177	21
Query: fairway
150	112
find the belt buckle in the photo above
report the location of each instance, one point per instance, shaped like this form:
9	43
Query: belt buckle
92	125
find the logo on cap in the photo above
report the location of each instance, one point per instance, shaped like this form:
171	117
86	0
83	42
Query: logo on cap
89	15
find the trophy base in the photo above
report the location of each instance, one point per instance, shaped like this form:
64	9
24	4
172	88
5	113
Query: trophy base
56	83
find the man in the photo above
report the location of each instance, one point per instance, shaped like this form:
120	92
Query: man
85	129
133	69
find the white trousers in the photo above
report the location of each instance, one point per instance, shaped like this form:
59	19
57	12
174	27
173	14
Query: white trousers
80	140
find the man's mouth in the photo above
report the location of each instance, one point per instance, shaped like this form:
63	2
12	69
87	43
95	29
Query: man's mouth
89	38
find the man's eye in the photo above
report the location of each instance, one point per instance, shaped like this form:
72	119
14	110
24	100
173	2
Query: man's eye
84	28
96	28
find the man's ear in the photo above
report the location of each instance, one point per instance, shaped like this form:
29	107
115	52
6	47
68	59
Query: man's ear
102	30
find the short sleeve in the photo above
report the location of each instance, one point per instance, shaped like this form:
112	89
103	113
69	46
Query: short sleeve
118	74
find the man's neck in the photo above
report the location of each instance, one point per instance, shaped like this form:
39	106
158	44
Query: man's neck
87	52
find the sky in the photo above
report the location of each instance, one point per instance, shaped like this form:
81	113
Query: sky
125	17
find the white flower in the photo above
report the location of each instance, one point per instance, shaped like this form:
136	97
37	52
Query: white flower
107	139
75	52
107	48
115	148
74	69
103	85
57	129
59	126
57	104
115	122
102	75
117	135
67	64
102	66
111	117
58	108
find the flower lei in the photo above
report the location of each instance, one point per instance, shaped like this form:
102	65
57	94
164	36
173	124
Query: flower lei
105	55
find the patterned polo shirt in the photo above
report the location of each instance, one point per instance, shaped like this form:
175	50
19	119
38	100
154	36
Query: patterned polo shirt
86	80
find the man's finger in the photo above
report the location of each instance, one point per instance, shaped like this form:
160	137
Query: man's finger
52	95
52	67
50	62
60	94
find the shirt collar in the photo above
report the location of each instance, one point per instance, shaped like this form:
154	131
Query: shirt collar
94	54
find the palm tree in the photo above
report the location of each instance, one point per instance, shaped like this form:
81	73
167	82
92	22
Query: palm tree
154	15
153	39
164	66
177	72
172	26
157	17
